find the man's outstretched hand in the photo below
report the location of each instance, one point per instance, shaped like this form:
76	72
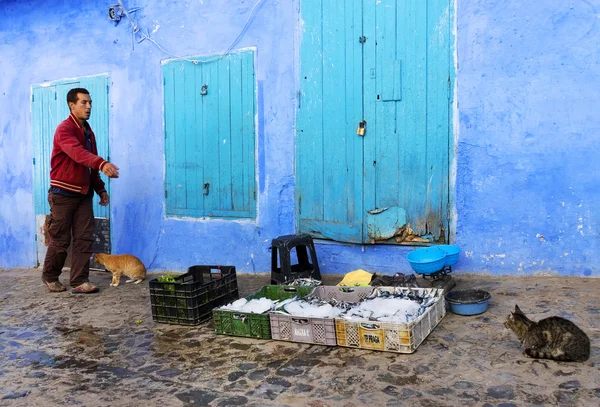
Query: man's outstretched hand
111	170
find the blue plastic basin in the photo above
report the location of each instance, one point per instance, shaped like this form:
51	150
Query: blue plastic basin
452	252
468	302
427	260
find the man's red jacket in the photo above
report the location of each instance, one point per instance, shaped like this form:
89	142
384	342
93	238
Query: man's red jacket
72	166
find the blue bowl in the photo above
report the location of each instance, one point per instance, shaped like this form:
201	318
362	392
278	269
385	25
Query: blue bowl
468	302
452	252
427	260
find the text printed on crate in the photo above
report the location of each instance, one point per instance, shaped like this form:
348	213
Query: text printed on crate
302	332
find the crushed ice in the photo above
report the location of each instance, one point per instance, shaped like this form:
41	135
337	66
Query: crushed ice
385	309
255	306
399	307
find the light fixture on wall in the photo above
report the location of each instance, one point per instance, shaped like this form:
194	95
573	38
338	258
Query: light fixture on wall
115	13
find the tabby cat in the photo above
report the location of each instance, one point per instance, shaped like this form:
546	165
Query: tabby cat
124	264
551	338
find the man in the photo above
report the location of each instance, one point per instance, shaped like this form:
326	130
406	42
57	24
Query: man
74	176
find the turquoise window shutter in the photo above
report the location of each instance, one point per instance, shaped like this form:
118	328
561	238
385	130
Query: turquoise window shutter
210	110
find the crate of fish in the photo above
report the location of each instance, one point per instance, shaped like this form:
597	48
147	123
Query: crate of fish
393	319
311	320
189	299
249	316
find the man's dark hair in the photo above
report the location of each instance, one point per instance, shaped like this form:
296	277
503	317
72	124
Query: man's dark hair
72	95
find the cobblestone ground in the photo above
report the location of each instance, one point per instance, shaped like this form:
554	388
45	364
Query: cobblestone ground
105	350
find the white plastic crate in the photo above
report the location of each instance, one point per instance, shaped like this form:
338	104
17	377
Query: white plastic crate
320	331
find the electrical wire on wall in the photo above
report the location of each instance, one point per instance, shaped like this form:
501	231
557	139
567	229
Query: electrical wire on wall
141	35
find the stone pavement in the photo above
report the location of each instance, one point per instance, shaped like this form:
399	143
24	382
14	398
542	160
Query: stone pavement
62	349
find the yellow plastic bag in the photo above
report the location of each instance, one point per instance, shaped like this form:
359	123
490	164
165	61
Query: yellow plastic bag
356	278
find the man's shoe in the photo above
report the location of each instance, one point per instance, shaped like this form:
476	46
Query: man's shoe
85	288
55	286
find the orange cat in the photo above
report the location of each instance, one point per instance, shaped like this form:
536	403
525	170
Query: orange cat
123	264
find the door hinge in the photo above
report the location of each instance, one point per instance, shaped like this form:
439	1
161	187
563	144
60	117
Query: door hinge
54	95
32	98
33	159
449	83
362	39
299	96
166	194
35	237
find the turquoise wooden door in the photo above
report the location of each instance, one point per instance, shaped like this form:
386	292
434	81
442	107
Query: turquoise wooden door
329	154
49	108
401	89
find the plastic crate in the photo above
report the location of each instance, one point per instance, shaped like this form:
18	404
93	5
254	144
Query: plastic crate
393	337
251	325
320	331
191	298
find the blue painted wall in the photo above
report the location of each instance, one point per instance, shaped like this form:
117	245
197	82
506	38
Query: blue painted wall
528	176
527	183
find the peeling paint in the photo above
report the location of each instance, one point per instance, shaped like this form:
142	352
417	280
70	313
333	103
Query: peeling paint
385	223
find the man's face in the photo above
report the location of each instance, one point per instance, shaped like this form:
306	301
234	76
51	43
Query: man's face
83	107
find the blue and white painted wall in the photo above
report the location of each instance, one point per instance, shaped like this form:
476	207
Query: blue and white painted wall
526	184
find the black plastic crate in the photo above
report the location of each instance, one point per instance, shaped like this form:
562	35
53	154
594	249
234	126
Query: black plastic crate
191	298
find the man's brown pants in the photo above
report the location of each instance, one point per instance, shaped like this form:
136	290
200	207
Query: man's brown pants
69	215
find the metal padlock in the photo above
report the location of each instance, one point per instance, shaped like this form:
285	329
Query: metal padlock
361	128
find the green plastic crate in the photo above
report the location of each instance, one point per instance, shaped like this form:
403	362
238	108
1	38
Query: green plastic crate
255	325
